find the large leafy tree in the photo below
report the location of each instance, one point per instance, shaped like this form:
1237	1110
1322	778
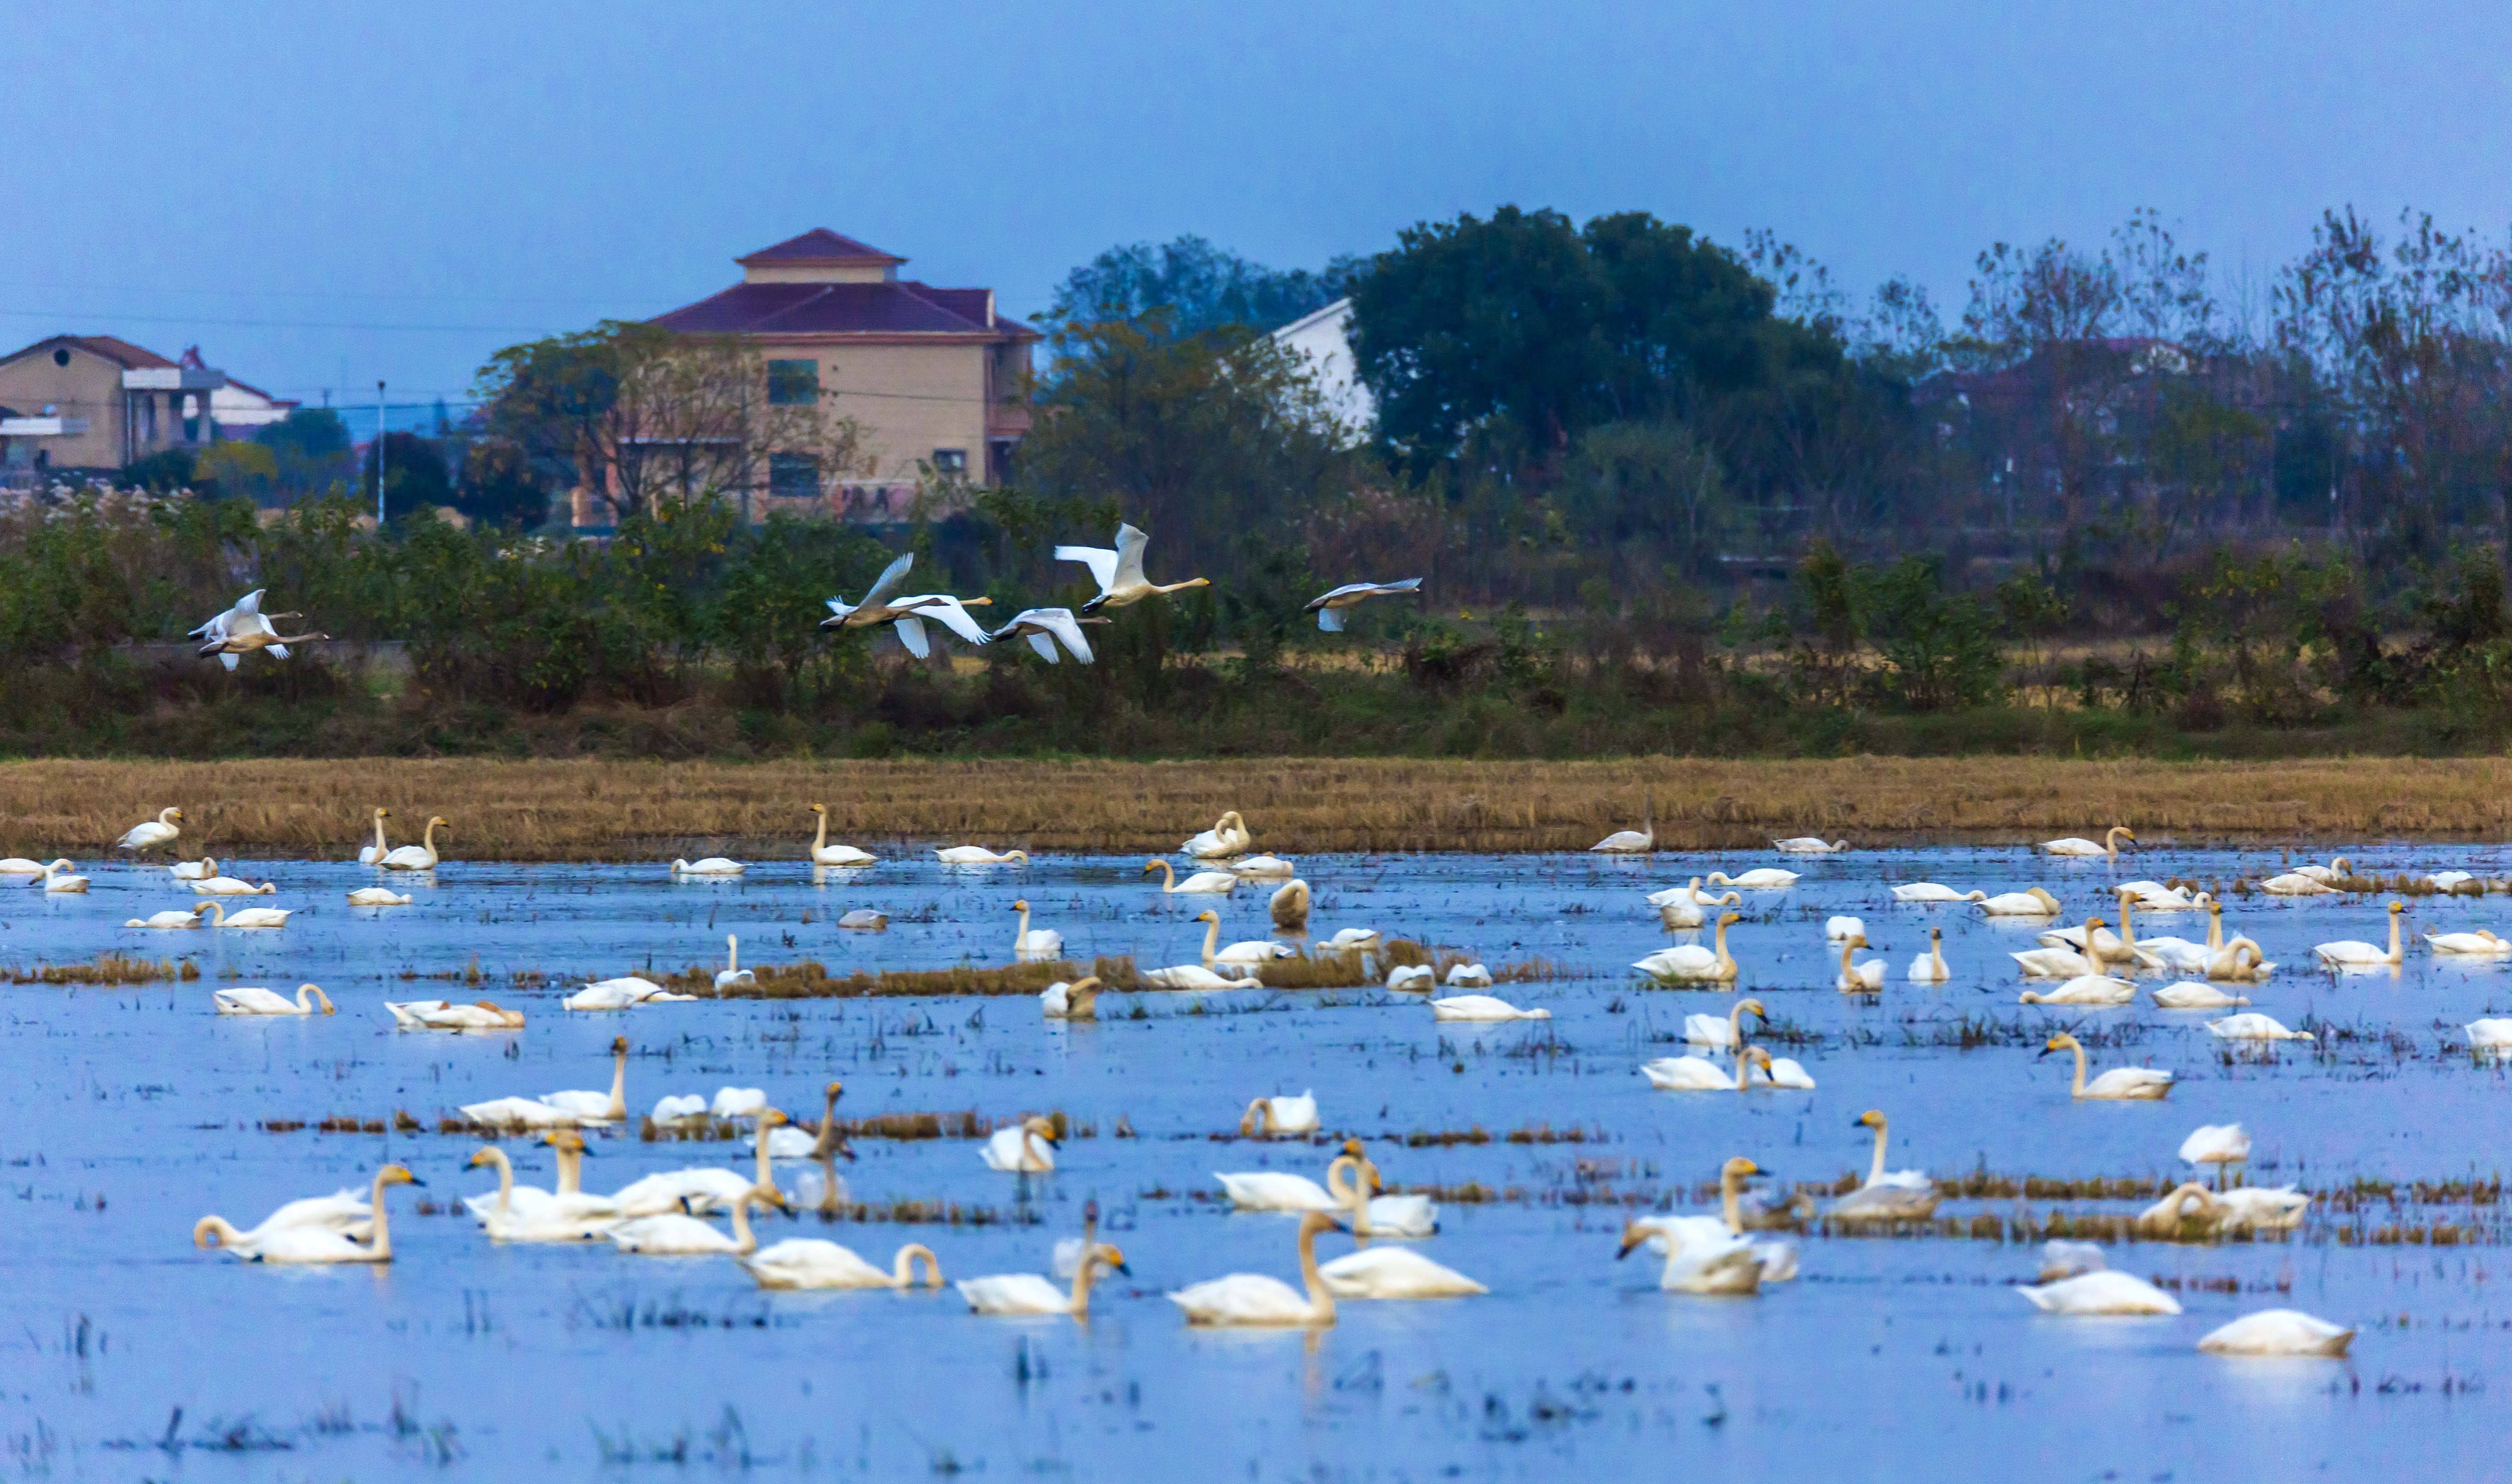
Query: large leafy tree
1188	287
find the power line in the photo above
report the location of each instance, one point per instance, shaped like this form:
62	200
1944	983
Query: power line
60	315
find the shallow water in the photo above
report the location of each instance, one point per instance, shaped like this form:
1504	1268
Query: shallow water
128	1113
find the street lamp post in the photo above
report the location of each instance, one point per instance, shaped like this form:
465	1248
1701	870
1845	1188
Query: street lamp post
380	456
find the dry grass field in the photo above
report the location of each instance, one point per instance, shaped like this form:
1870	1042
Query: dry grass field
609	810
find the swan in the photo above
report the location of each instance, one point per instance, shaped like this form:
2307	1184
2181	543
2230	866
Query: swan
1671	1234
1042	627
1329	605
1247	951
1860	978
1768	1070
1289	905
251	916
514	1213
1121	582
2102	1292
1930	967
1412	977
2216	1143
1026	1148
151	833
878	608
978	855
315	1243
1681	907
1255	1299
1267	867
825	854
1373	1214
1809	844
2278	1332
190	918
1077	1000
1887	1195
864	920
2119	1084
194	870
2293	885
679	1235
2100	945
1930	891
377	896
812	1261
1481	1007
2191	1213
710	865
1468	976
1395	1272
1724	1032
2066	1260
1026	1293
1704	1255
701	1187
1206	882
1695	1074
2057	962
2239	961
2083	989
2076	844
1274	1191
260	1002
19	865
345	1211
672	1107
1354	940
1837	929
2250	1025
2350	954
2336	869
2483	940
232	886
1229	836
2030	902
2489	1034
1196	976
59	883
2183	957
784	1140
1277	1117
555	1108
2447	881
252	634
421	856
1690	962
2279	1208
1759	878
368	855
1640	841
440	1015
2190	995
732	974
625	993
739	1103
2155	896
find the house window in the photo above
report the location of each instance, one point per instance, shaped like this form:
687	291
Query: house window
952	461
794	476
793	383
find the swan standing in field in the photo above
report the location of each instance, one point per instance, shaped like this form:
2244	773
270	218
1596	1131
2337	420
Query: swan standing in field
150	834
676	1235
1887	1195
2119	1084
2077	844
1025	1149
232	886
2347	953
1759	878
194	870
825	854
373	854
1279	1117
1640	841
60	881
712	865
1329	605
2219	1145
1930	967
1121	582
732	975
1256	1298
1042	627
978	855
1482	1007
421	856
1723	1031
1203	882
251	916
1229	837
377	896
189	919
316	1243
2190	995
1930	891
1690	962
1695	1074
442	1015
2102	1292
2083	989
345	1211
1809	844
813	1262
1860	978
2278	1332
625	993
2482	942
2030	902
1077	1000
1026	1293
1289	905
1703	1255
260	1002
2250	1025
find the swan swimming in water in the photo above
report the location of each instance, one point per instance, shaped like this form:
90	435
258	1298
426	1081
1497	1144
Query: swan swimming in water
2347	953
1887	1195
812	1262
1702	1254
2077	844
2278	1332
2104	1292
825	854
1930	967
1279	1117
1690	962
2119	1084
316	1243
1026	1148
1248	1299
421	856
260	1002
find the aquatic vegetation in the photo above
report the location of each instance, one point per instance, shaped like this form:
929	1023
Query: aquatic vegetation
109	968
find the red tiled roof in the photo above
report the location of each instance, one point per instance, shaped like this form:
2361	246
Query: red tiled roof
821	245
121	352
882	308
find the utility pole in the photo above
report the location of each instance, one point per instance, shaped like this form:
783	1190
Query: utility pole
380	456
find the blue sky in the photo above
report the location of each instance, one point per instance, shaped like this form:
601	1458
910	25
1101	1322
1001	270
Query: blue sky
326	194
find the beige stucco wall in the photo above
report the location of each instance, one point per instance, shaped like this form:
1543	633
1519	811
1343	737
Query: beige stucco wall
910	398
89	387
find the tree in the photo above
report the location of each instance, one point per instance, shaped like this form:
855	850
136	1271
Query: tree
501	487
1193	287
1651	486
415	476
238	470
311	448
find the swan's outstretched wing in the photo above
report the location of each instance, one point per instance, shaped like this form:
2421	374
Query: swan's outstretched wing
891	576
1046	649
1129	556
1101	562
1331	621
1331	594
911	633
277	652
950	613
250	603
1061	623
228	661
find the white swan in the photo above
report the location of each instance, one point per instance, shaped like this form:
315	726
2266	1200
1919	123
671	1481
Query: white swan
2336	869
1482	1007
2347	953
1279	1117
1640	841
1468	976
1042	627
553	1109
1255	1299
1410	978
672	1107
1077	1000
377	896
2489	1034
1859	978
2278	1332
368	855
812	1261
625	993
1203	882
2481	942
1228	837
2183	957
1704	1255
194	870
700	1187
710	865
58	881
2030	902
514	1213
784	1140
2077	844
1121	582
2056	962
1328	605
1710	1236
1723	1031
232	886
2066	1260
1759	878
1021	1294
19	865
1026	1148
152	833
676	1235
825	854
1681	907
1839	929
2252	1026
1809	844
2190	995
1395	1272
442	1015
1275	1190
732	974
2447	881
1268	867
1690	962
1695	1074
1930	891
1784	1071
2155	896
2240	962
315	1243
421	856
1353	940
1374	1214
251	916
1289	905
2294	886
908	614
978	855
865	920
2104	1292
260	1002
1245	951
2119	1084
1197	976
2216	1143
345	1211
2083	989
1888	1194
1930	967
190	918
739	1102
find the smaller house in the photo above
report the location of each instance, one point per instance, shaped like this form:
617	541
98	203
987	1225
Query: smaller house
240	406
96	402
1324	339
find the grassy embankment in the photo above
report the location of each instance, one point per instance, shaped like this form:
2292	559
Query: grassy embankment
627	810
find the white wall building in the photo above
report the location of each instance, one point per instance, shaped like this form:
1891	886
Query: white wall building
1325	340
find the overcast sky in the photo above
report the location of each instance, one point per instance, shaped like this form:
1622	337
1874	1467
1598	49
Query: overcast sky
321	195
